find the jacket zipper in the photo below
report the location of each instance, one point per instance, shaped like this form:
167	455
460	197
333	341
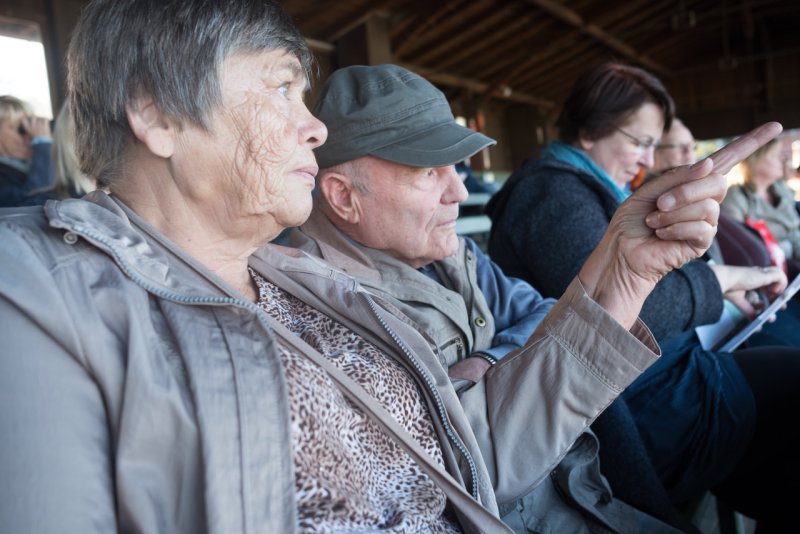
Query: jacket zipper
459	348
423	372
159	292
176	297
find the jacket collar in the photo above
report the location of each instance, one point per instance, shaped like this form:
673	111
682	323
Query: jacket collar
319	236
374	268
138	249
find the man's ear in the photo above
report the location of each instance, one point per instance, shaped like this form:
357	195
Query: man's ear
341	196
151	127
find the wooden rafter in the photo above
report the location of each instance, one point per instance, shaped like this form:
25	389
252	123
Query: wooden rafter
405	38
574	19
496	43
445	29
471	33
476	86
525	64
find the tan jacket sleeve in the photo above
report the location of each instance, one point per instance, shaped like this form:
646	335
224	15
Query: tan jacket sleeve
531	406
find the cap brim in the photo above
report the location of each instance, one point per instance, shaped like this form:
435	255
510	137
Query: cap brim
445	144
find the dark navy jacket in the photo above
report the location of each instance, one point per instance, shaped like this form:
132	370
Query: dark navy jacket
18	188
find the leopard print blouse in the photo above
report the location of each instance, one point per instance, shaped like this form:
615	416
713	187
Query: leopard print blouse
349	475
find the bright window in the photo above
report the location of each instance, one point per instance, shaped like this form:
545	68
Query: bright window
23	73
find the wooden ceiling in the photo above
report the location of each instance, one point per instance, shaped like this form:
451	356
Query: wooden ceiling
729	64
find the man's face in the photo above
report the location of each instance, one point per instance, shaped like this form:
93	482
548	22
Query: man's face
675	149
409	212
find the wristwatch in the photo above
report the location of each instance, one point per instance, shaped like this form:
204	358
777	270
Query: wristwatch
488	357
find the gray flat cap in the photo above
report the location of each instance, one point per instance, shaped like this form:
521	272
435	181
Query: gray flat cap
391	113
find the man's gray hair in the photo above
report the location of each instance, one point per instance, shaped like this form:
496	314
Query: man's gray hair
170	50
353	169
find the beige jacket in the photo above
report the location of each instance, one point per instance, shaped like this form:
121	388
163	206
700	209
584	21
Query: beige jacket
576	362
140	393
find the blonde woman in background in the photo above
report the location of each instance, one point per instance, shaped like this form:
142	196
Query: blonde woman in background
766	196
25	141
69	180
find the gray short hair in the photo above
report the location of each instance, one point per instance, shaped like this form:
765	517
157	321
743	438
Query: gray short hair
170	50
353	169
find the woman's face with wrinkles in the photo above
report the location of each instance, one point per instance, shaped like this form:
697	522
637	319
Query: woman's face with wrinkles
256	162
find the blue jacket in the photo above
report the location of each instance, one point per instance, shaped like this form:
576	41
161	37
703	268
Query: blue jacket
517	308
17	186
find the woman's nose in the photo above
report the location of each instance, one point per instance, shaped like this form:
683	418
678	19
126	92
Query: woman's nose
648	158
313	131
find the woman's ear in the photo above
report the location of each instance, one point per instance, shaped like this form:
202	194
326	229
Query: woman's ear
151	127
340	195
584	142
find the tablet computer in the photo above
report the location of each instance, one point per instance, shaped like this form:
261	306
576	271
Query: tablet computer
733	341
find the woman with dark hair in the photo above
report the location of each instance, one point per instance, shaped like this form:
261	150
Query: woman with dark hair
709	420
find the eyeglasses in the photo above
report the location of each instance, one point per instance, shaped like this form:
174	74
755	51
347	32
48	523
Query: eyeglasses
684	147
643	145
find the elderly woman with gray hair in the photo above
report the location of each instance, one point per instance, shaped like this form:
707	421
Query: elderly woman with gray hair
165	369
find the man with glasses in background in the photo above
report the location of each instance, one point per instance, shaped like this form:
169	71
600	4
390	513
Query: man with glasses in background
676	148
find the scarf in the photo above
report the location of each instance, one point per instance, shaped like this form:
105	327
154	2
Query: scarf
578	158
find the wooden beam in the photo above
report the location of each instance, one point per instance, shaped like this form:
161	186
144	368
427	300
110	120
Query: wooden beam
714	66
474	33
355	23
366	44
503	57
522	65
442	78
572	18
319	46
447	27
478	87
495	42
421	24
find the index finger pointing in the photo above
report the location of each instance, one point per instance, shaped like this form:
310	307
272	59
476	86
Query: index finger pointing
726	157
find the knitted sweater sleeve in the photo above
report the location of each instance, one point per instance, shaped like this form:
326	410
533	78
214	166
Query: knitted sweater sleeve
553	223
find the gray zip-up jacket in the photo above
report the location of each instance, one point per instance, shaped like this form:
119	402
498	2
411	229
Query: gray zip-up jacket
139	392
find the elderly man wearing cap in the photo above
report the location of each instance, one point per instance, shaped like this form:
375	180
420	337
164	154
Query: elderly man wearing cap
386	215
